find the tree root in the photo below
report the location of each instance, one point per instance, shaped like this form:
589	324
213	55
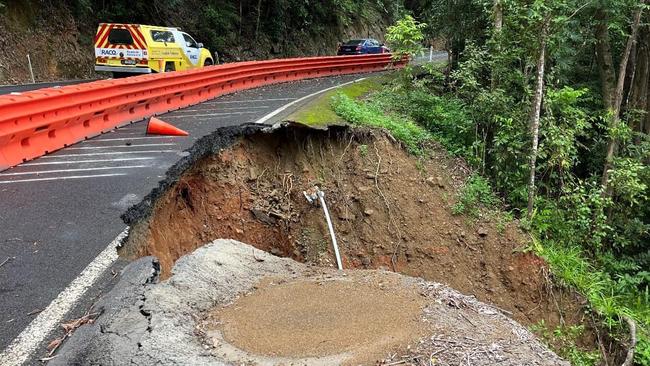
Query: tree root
629	359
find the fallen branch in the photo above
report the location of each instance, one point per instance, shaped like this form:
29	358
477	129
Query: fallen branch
629	359
34	312
601	346
69	328
504	311
5	261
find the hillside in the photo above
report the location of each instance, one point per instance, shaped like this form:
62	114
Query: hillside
58	35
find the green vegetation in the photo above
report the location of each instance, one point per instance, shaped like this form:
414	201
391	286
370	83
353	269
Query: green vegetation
363	150
564	339
368	114
535	101
319	111
475	194
405	37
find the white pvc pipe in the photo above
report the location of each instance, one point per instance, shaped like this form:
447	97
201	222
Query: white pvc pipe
321	195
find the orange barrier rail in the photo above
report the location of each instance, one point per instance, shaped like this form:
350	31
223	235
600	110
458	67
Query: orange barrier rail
38	122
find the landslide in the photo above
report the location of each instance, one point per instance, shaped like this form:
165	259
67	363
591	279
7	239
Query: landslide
390	210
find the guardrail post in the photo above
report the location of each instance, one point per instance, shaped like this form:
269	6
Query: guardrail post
31	71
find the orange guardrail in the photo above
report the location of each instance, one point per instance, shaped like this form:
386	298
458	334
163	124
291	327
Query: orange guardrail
38	122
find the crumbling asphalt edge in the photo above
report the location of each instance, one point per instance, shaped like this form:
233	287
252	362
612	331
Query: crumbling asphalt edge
127	296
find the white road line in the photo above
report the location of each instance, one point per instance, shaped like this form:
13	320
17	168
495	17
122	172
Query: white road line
49	319
31	337
121	132
176	115
109	153
277	111
85	161
61	178
248	101
118	146
224	108
127	138
76	170
128	128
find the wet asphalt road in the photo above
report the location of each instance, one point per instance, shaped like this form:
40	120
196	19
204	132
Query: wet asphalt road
58	212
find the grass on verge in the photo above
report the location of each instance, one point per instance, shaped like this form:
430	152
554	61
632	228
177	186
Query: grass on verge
367	114
319	111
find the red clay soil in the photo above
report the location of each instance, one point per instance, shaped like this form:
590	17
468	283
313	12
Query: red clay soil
389	210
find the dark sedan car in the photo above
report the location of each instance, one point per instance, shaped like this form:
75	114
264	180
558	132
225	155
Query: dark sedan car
361	46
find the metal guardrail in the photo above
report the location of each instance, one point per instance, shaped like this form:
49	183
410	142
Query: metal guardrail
429	55
38	122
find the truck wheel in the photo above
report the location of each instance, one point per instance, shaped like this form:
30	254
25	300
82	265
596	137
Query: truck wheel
207	62
169	67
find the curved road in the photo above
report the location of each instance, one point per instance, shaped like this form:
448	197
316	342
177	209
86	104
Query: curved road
60	211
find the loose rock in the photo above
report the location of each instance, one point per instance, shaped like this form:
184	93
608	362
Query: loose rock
482	232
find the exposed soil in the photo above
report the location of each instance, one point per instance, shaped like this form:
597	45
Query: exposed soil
389	210
317	317
50	34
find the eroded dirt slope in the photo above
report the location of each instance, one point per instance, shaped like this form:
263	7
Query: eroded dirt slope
49	33
390	210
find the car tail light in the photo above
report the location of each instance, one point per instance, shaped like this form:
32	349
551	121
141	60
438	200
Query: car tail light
143	62
358	48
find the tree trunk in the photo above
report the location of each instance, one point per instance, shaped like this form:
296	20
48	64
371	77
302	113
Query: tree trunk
615	109
604	58
259	13
535	115
638	96
241	17
497	12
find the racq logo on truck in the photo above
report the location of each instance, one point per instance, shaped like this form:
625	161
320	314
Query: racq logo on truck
113	52
120	41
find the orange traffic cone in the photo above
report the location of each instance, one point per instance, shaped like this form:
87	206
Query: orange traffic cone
158	127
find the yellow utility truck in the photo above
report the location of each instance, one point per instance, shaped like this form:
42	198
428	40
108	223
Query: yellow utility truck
127	49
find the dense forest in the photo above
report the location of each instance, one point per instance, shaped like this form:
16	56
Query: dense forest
548	101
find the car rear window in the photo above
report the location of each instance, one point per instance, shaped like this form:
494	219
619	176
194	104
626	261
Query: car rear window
120	36
354	42
162	36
